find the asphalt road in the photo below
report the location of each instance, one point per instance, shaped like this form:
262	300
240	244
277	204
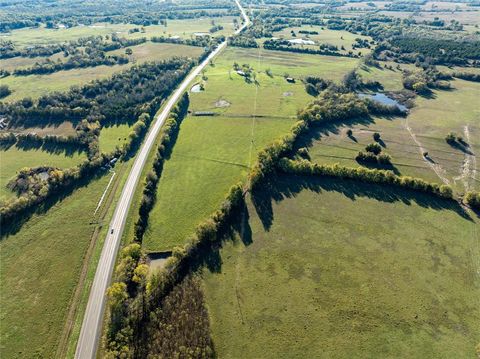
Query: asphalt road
92	321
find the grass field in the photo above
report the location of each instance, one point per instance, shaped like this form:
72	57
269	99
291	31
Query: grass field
343	270
183	28
16	158
40	266
338	38
390	79
151	51
456	110
214	153
332	145
430	121
211	155
296	65
113	136
35	86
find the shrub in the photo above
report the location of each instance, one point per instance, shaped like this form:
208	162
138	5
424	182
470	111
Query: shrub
472	198
376	136
451	137
374	148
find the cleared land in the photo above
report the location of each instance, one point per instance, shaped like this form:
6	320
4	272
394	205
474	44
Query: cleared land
14	159
319	272
213	153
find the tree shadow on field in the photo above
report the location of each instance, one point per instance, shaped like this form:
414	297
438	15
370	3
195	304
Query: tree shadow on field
50	147
317	132
14	225
281	187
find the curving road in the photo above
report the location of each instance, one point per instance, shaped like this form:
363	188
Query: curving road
92	321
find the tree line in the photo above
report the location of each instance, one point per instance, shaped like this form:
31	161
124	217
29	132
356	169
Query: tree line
116	99
304	167
285	45
33	13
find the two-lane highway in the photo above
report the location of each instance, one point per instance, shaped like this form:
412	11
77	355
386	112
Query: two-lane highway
92	321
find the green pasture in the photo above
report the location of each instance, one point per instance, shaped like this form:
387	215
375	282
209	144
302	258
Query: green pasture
325	36
211	155
294	64
113	136
151	51
456	110
40	266
35	86
183	27
430	121
14	159
339	269
331	145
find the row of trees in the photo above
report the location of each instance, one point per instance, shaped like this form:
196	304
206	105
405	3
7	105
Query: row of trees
80	60
130	311
200	41
304	167
87	45
33	13
37	187
116	99
285	45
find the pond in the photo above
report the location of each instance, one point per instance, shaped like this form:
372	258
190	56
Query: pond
383	99
196	88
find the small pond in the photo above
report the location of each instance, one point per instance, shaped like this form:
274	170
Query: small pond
196	88
384	99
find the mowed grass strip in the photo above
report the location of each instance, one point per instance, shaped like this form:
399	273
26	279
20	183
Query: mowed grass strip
14	159
40	266
337	269
211	155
